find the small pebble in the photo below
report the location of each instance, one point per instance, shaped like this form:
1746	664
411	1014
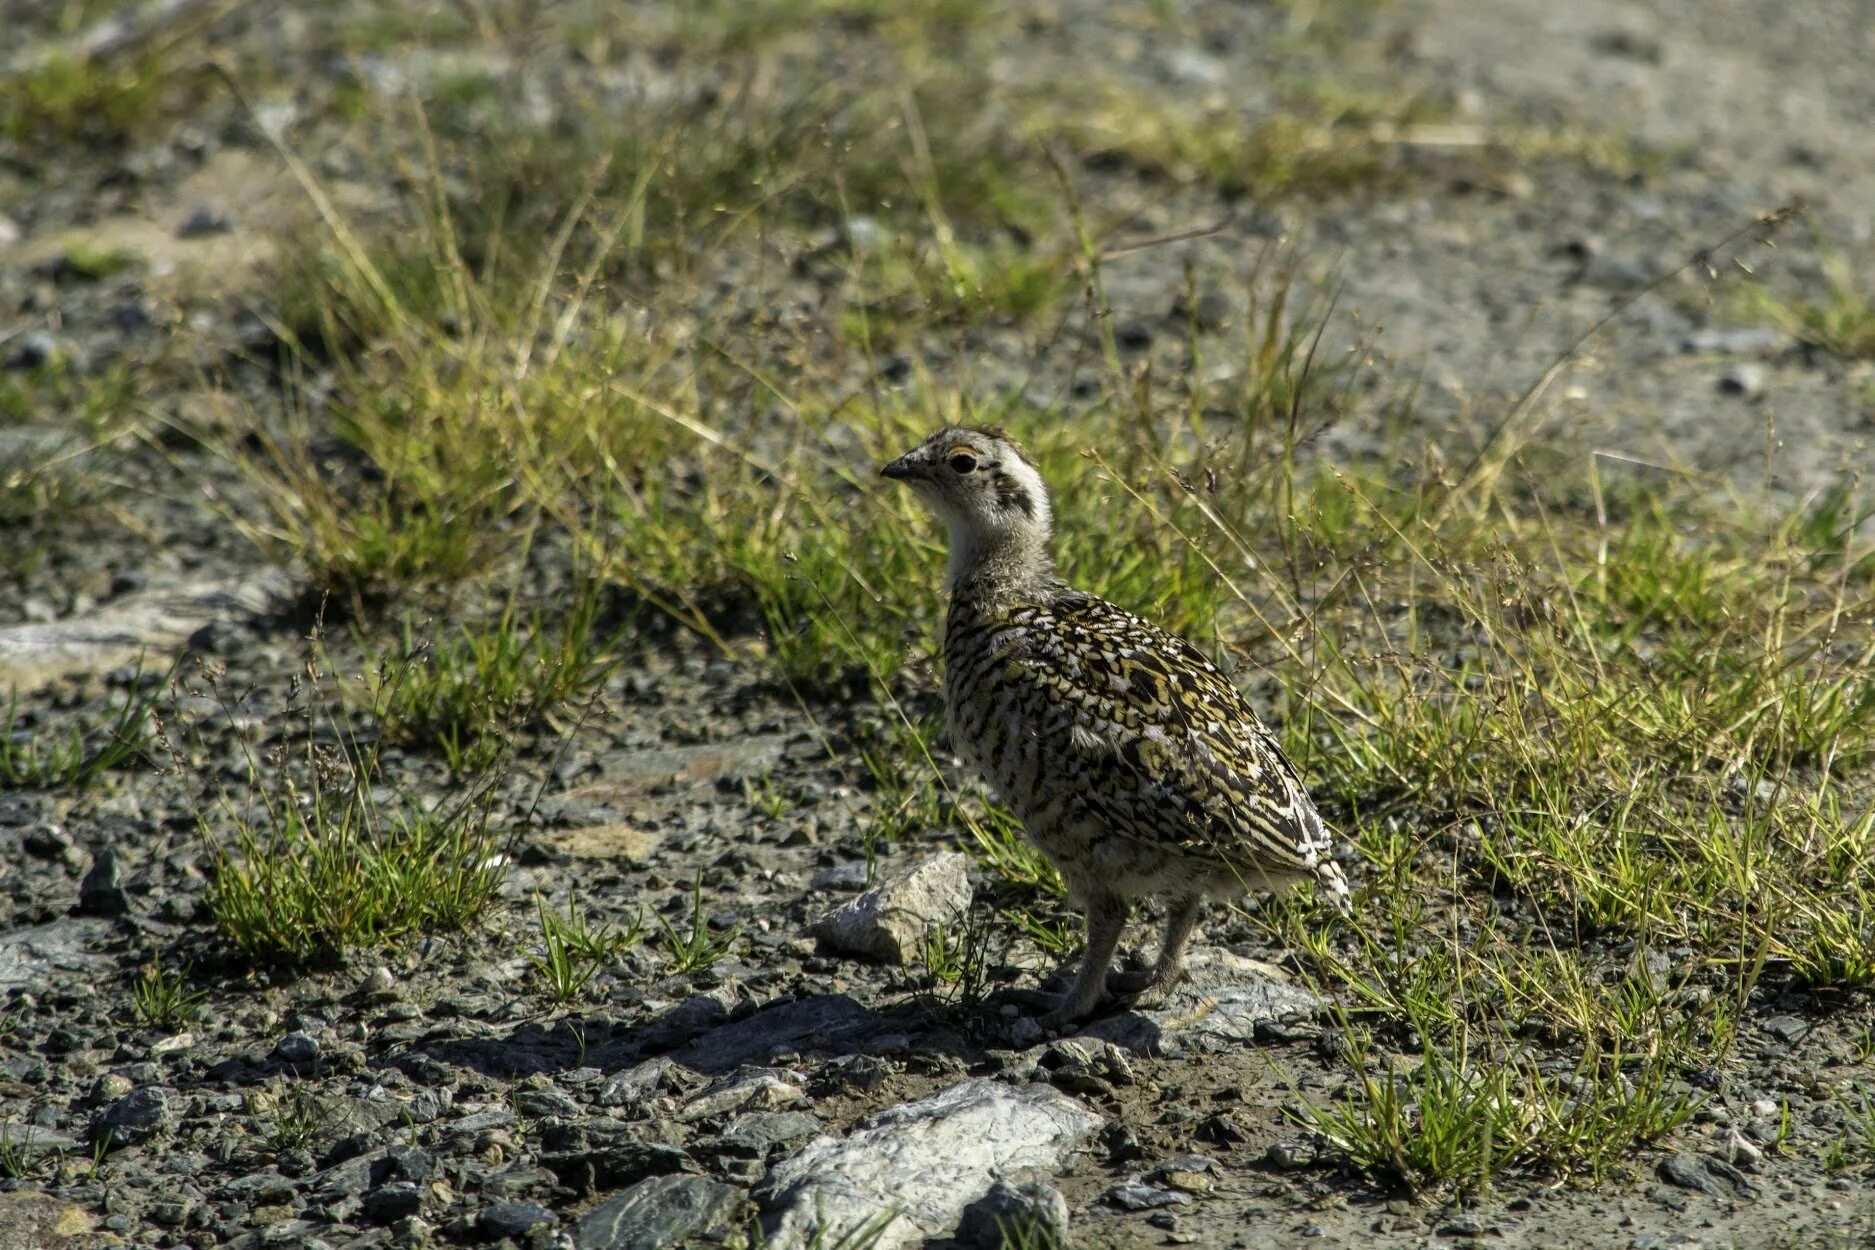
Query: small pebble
1740	1150
203	222
1743	379
513	1219
31	350
297	1048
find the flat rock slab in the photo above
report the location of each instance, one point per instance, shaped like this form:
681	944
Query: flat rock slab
659	1212
890	921
28	956
609	841
628	772
805	1024
30	1143
1219	1005
160	618
30	1220
908	1173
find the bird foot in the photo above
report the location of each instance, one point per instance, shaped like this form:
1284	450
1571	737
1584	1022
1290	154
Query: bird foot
1132	981
1143	987
1055	1009
1035	1000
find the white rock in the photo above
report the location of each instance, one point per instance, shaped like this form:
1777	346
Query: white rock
910	1171
159	618
891	921
1740	1150
760	1089
1219	1004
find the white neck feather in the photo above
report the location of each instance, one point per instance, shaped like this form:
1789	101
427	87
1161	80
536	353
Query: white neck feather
1008	550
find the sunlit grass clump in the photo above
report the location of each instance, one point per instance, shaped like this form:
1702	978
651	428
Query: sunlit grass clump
312	885
316	857
72	758
1835	315
465	688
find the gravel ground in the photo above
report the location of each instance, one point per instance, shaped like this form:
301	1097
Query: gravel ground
428	1095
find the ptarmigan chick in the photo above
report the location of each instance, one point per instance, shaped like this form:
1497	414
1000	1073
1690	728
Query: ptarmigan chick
1132	762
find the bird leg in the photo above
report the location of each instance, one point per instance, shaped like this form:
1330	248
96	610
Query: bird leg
1106	920
1170	966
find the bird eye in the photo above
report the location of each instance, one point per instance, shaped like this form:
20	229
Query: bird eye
962	462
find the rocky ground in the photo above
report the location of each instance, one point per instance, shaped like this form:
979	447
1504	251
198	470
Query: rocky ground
816	1067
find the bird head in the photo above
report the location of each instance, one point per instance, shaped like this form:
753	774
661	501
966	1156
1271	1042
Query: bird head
982	486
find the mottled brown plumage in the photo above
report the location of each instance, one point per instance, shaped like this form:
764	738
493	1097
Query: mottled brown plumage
1132	762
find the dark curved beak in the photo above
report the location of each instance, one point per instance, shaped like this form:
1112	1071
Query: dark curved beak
899	470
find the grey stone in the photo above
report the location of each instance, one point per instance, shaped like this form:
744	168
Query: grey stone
393	1201
1023	1031
297	1048
1740	1151
136	1117
171	1212
592	1155
1139	1196
427	1106
1134	336
411	1163
205	221
1290	1155
1701	1174
540	1104
692	1016
481	1122
659	1212
1221	1003
761	1089
890	921
110	1087
759	1132
852	875
1037	1209
923	1162
101	893
1467	1225
512	1219
850	1072
694	765
347	1179
1787	1029
1743	379
634	1085
32	350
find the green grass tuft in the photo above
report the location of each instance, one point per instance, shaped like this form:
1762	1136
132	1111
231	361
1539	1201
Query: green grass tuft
76	759
695	944
1838	317
573	950
163	1000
